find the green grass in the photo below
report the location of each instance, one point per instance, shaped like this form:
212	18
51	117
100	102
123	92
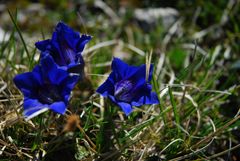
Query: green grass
192	86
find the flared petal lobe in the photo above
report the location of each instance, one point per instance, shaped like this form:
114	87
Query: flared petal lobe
51	71
107	88
32	108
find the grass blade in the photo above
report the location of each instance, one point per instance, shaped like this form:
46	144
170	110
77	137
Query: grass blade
175	111
20	34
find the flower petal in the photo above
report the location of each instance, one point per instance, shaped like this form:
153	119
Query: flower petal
58	107
84	39
139	77
37	73
43	45
140	74
126	107
107	88
26	82
120	68
77	69
57	52
68	84
51	71
146	100
67	35
32	108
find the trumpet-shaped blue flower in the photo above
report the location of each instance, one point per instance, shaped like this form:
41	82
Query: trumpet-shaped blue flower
46	87
65	47
127	86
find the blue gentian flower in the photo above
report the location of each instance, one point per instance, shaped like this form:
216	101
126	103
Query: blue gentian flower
127	86
46	87
65	47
